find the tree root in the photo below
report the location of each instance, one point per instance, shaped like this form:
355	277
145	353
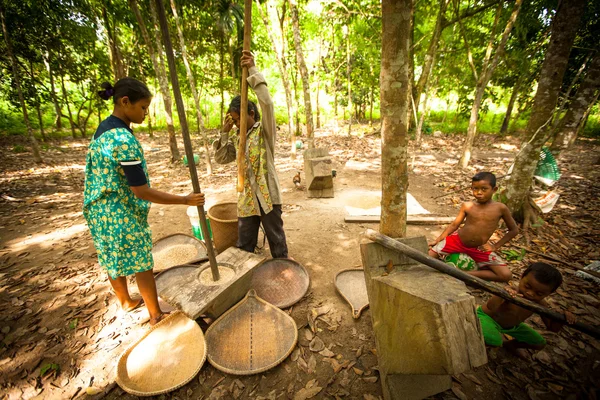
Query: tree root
531	213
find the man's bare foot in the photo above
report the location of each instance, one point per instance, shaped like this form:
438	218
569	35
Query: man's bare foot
134	305
154	321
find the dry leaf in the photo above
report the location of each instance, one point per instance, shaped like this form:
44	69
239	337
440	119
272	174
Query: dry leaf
316	345
458	393
327	353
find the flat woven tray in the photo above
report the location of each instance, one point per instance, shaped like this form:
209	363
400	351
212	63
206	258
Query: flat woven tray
167	357
251	337
350	283
177	249
281	282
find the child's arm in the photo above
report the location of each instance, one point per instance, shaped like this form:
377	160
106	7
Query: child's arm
145	192
513	230
555	326
462	214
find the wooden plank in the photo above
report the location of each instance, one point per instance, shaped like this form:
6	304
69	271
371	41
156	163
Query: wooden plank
183	289
410	219
477	282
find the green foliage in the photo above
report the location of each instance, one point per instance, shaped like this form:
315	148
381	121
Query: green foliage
513	255
49	367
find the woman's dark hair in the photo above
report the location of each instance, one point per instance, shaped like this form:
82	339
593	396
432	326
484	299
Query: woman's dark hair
130	87
236	106
545	274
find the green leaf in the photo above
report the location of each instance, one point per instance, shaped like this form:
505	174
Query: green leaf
73	323
49	367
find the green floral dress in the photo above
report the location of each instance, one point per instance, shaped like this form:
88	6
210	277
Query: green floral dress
117	219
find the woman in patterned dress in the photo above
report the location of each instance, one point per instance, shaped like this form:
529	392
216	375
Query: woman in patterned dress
117	197
260	201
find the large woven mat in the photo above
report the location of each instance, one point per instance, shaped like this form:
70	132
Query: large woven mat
167	357
251	337
350	283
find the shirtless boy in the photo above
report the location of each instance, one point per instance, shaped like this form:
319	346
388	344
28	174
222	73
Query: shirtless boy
481	219
499	316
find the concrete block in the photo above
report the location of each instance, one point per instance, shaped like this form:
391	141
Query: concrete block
317	173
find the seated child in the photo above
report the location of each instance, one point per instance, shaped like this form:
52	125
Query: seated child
499	316
481	219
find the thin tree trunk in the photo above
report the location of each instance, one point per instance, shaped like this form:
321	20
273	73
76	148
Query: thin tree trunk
371	106
291	111
161	74
66	101
37	104
428	62
510	106
566	131
395	106
319	80
564	30
15	70
484	77
192	82
221	74
424	113
303	73
583	122
113	43
58	120
348	73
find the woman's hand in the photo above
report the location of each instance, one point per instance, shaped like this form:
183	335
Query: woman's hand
194	199
247	59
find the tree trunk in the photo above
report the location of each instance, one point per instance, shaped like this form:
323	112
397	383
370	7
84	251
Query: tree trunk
583	122
395	105
192	82
319	79
66	101
303	73
113	44
291	111
161	74
348	73
17	78
58	120
585	96
221	74
424	113
484	77
431	52
564	30
509	108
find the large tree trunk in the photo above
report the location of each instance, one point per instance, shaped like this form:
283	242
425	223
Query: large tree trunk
192	82
510	106
484	77
58	120
303	73
564	29
395	105
17	78
161	74
431	52
113	44
291	107
585	96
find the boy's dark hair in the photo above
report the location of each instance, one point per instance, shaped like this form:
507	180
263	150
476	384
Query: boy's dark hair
485	176
545	274
130	87
236	106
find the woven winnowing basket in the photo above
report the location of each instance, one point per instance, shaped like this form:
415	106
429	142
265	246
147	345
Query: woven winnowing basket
350	283
251	337
547	167
223	221
167	357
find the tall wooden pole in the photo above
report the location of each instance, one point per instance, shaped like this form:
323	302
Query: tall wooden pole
477	283
241	155
189	152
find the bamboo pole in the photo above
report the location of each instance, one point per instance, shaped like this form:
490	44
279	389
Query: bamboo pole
549	257
189	152
241	156
476	282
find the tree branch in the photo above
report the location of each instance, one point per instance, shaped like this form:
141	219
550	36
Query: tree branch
470	13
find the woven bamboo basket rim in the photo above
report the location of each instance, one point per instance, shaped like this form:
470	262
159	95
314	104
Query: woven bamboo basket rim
355	313
252	293
123	359
212	217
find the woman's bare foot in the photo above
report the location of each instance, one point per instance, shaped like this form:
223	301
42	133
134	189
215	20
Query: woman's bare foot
133	305
161	316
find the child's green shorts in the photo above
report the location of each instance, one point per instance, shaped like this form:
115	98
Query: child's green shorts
492	331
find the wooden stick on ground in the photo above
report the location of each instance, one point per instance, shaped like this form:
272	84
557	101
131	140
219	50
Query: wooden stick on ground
549	257
241	161
476	282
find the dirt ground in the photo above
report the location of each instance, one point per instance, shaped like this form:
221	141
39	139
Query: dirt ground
62	332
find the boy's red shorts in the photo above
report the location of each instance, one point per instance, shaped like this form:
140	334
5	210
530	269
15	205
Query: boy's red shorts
452	244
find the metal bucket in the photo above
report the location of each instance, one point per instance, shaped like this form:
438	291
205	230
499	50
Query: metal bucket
223	221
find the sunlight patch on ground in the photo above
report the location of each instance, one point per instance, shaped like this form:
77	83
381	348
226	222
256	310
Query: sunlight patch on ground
368	202
505	146
47	240
362	165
